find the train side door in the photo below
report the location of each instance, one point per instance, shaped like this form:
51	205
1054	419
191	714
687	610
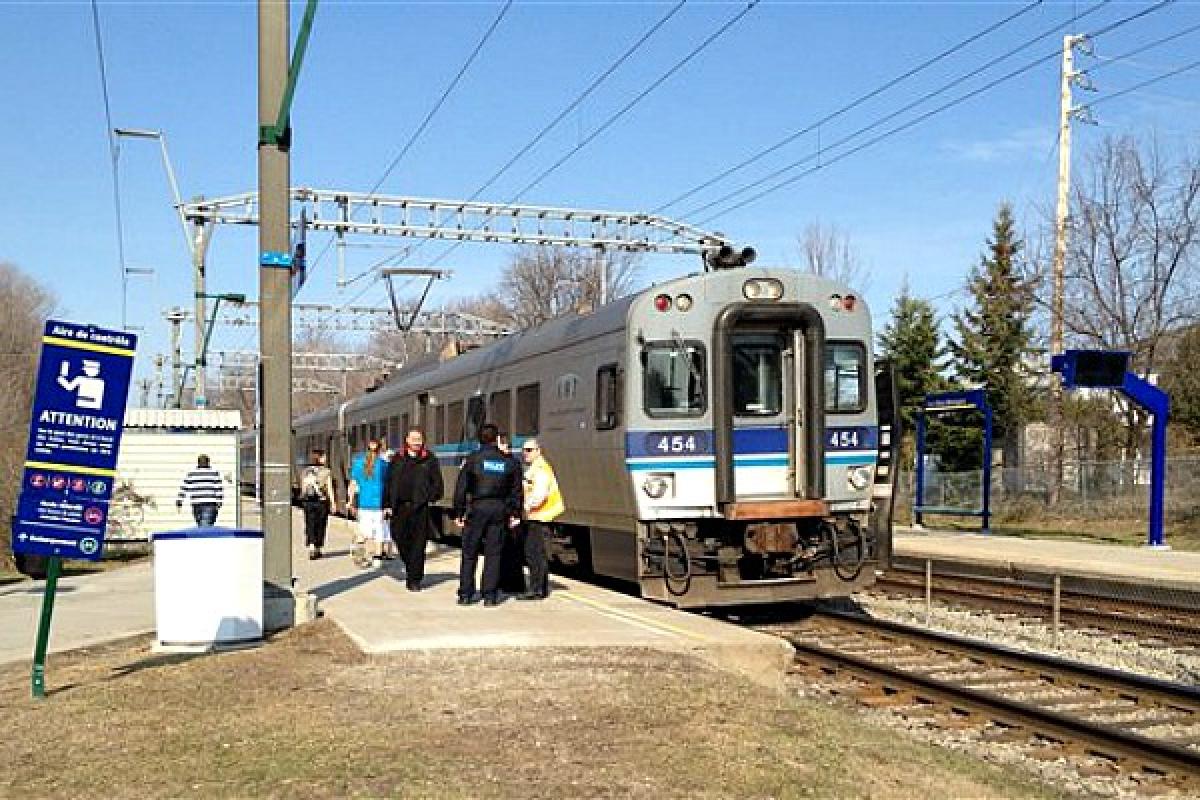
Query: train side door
766	413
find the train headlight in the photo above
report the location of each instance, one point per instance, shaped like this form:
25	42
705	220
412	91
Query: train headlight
657	485
762	289
683	302
858	478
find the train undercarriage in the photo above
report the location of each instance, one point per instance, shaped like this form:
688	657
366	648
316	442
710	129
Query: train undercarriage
718	562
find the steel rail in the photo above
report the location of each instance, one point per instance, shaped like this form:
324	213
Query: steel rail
1121	745
1127	616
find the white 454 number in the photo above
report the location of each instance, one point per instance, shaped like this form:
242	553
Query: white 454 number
843	439
676	444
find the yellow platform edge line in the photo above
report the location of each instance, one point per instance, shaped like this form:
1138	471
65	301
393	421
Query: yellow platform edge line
95	348
105	473
666	626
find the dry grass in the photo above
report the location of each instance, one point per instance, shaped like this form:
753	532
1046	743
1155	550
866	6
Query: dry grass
309	716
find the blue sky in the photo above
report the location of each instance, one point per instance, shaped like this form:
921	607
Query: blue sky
917	205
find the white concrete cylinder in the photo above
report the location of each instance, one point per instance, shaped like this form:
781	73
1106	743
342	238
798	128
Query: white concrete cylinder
208	587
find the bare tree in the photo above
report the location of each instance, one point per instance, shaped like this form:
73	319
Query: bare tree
541	283
826	250
1131	270
27	304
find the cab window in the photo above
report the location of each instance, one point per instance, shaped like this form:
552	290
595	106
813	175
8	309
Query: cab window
673	379
845	374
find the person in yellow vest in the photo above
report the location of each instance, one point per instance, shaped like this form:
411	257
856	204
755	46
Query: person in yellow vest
543	505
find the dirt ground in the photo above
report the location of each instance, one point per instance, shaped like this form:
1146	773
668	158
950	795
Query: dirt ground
309	716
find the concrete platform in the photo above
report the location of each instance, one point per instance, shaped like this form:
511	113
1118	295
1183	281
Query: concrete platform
1166	569
373	607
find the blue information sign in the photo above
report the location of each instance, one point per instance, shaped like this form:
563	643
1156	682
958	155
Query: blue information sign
74	435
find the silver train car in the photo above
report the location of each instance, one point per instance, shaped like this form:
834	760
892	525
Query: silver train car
717	438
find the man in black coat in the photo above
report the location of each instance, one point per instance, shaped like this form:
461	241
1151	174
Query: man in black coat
414	481
487	501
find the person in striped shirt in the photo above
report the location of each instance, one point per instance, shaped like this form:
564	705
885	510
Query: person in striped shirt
202	487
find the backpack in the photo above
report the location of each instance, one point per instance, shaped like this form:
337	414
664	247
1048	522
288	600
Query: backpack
310	484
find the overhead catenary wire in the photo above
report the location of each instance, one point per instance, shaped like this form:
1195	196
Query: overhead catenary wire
906	125
1143	84
855	103
1107	61
574	104
112	153
920	100
416	134
625	109
622	111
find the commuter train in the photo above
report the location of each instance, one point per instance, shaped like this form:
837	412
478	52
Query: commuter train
717	438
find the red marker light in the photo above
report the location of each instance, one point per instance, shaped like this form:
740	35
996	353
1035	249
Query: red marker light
662	302
849	302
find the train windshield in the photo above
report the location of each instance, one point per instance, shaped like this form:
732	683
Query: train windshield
757	375
845	371
673	379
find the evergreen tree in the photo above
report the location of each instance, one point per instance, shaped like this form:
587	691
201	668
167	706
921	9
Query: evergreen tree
994	340
912	342
1181	379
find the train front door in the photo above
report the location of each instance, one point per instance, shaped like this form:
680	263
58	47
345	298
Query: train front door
768	413
768	403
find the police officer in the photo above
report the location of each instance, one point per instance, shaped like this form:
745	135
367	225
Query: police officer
492	482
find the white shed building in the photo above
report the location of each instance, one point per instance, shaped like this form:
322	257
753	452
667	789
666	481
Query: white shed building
158	448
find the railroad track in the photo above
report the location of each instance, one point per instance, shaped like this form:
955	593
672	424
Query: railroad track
1154	622
1108	721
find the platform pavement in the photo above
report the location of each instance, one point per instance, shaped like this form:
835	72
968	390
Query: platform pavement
88	609
1169	569
373	607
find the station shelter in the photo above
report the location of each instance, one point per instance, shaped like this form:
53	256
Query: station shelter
158	449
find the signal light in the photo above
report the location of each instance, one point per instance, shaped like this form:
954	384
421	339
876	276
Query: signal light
849	302
683	302
662	302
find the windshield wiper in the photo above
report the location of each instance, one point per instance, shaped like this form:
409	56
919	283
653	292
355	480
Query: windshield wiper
681	347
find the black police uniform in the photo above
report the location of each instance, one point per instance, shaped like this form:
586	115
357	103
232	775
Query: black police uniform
492	481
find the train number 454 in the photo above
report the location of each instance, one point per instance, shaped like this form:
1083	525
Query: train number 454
677	444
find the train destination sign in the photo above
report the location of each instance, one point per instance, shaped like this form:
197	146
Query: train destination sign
74	436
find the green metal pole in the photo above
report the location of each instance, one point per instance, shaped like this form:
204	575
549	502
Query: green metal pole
43	636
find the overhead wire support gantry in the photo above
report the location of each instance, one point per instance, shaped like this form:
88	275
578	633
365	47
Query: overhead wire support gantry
329	210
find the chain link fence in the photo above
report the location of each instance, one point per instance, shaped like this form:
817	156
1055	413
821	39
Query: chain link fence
1089	490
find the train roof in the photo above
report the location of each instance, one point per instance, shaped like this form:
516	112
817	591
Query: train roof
545	338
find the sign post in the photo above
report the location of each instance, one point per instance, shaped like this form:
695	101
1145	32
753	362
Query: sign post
71	457
1109	369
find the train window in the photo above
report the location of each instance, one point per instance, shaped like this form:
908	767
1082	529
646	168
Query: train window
608	405
757	375
423	418
673	379
845	377
439	425
500	409
475	417
400	428
454	422
529	401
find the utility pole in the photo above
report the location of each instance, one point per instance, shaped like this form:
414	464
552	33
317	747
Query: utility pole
275	316
1067	112
158	378
175	317
199	245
